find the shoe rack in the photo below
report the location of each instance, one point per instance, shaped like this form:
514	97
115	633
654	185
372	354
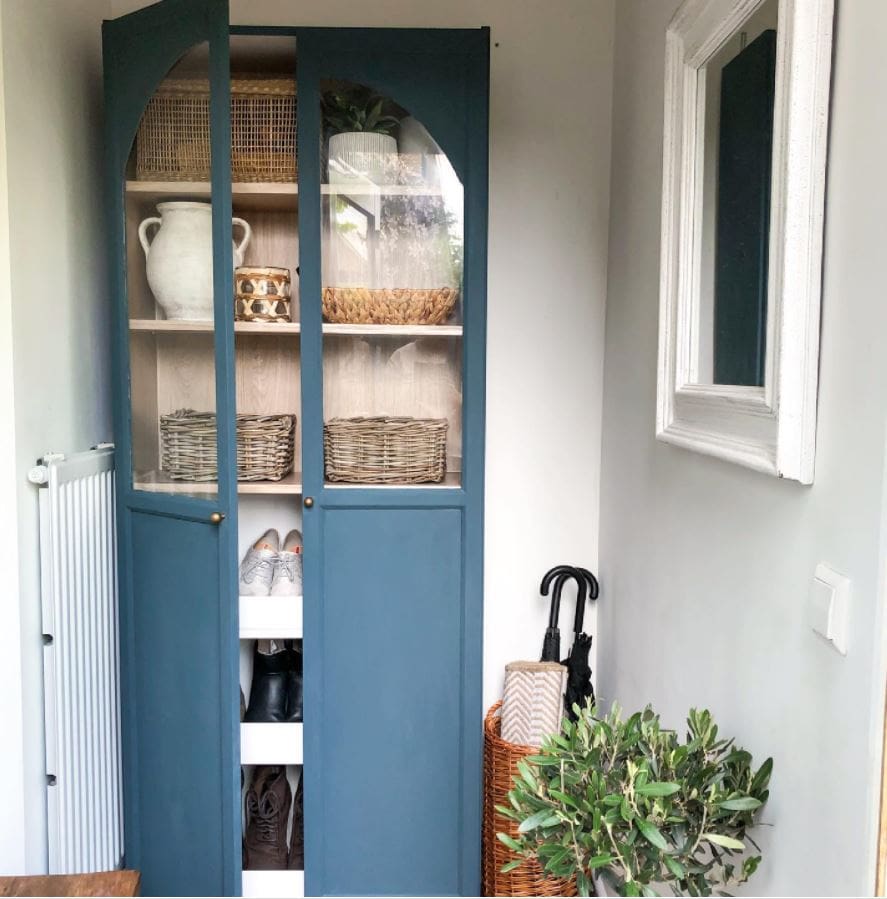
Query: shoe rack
267	368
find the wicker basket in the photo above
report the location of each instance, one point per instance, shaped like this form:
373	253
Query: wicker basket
388	306
173	142
265	446
500	766
385	450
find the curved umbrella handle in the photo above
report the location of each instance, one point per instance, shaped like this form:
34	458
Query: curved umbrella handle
580	602
589	580
594	587
551	645
552	573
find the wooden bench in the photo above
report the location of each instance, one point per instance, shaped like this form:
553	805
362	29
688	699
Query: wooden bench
109	883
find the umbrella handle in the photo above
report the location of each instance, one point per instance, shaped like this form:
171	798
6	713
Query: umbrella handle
594	587
580	605
558	571
593	592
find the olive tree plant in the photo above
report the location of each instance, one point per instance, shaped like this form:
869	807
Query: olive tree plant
629	803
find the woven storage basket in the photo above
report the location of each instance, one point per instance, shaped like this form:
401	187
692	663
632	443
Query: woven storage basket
385	450
265	446
388	306
173	142
500	766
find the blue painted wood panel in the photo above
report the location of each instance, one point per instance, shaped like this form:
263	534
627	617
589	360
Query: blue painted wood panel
393	606
369	789
176	571
175	659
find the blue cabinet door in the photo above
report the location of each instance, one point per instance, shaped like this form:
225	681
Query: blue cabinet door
393	575
176	541
394	766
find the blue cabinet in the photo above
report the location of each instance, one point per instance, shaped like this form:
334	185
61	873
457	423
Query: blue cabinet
351	410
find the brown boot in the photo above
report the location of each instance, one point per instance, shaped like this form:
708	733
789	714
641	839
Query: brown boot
268	803
297	836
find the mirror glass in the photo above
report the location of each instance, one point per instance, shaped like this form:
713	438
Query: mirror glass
738	148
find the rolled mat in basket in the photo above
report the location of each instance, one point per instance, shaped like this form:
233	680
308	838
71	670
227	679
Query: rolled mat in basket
500	766
533	701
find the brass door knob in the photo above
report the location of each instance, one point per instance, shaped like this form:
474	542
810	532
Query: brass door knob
309	502
217	517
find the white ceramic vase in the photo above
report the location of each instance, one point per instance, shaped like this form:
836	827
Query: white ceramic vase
355	155
179	260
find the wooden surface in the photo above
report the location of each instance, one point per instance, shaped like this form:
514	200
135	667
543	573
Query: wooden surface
109	883
160	482
245	195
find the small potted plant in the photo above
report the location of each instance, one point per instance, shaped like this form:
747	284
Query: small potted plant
626	807
359	127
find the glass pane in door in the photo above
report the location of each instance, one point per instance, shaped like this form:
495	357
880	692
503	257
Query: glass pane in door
392	256
169	261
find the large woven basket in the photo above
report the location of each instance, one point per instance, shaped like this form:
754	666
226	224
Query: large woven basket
500	766
173	142
388	306
385	450
265	446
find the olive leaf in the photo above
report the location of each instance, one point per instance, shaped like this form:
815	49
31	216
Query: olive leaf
629	800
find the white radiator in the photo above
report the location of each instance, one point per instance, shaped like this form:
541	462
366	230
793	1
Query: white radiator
78	574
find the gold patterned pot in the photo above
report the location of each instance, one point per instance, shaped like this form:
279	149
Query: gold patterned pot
253	281
261	309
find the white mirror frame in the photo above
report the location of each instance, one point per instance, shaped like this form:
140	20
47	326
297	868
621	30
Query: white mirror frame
771	428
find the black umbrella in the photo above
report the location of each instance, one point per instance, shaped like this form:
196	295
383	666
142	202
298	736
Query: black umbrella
551	644
579	688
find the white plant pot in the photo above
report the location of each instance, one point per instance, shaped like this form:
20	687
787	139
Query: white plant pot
179	260
357	155
601	887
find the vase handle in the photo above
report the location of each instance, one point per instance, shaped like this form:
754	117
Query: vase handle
143	233
247	236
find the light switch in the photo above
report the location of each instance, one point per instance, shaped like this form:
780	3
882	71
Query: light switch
829	606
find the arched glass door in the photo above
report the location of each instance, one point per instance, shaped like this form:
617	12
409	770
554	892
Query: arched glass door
169	202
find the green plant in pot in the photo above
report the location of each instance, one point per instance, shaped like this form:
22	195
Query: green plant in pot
626	806
359	125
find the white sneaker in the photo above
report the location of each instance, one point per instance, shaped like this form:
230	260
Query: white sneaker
288	570
258	565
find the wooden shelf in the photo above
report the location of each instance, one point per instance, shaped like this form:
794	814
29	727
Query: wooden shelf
394	330
273	884
270	617
265	196
158	482
179	326
270	744
160	326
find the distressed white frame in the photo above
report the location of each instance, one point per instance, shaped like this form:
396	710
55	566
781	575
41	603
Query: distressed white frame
770	428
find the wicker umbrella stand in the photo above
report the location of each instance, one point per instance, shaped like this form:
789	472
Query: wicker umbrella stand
500	766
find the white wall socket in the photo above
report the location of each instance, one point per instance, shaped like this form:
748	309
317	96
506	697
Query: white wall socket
829	606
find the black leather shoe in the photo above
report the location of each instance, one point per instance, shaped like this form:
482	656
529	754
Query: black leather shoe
294	684
268	694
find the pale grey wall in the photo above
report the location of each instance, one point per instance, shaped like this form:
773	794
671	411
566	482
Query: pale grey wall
706	566
56	305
